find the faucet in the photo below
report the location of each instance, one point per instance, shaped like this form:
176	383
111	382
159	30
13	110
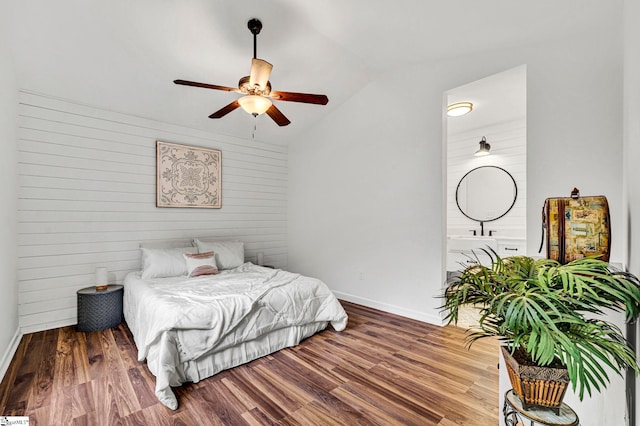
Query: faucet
481	230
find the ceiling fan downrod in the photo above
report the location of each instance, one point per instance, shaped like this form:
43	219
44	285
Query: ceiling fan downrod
255	26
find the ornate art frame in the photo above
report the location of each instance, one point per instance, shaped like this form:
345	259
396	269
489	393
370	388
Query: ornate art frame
188	176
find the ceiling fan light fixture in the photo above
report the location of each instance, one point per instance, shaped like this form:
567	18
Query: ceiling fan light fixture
254	104
484	148
260	73
257	89
459	108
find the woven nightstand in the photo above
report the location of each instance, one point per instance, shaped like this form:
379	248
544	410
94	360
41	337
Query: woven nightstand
99	310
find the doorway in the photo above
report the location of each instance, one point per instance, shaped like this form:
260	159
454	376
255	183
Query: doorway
496	126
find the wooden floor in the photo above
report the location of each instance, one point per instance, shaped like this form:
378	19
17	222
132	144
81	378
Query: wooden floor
382	370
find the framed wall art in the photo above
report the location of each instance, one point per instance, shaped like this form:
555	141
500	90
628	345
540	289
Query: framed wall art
188	176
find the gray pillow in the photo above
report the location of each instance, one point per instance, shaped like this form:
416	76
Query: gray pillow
229	254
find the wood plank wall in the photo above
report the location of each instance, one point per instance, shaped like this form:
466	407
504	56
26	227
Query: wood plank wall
86	198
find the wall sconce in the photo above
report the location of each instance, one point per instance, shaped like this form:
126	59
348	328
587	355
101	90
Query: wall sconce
102	279
459	108
484	148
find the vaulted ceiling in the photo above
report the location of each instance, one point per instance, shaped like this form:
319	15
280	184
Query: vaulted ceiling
123	55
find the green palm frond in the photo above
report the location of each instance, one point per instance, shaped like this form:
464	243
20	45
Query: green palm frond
550	312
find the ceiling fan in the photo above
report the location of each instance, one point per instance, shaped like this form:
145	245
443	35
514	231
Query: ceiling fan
256	88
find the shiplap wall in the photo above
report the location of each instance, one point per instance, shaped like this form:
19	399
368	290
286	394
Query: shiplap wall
86	198
509	151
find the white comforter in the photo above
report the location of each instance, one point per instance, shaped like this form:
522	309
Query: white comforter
176	320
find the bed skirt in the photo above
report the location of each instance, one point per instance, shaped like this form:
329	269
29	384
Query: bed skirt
163	359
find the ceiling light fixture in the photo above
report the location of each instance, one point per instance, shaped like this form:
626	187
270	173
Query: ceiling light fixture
459	108
484	148
254	104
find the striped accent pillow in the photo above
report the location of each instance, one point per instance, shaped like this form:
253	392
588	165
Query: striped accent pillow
201	264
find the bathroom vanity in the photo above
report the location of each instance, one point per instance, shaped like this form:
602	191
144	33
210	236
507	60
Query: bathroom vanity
463	250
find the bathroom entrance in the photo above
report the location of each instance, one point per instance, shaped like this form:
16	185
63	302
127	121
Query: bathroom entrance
486	171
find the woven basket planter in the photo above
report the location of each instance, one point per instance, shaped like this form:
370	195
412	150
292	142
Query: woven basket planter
537	386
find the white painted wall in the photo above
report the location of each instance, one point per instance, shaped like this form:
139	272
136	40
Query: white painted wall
366	206
8	286
87	198
365	199
574	139
631	114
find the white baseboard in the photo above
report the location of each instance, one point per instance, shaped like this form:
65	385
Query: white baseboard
26	329
398	310
9	353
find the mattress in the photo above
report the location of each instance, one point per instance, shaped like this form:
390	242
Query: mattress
188	329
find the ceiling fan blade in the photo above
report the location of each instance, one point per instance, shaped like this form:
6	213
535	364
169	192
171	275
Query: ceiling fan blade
205	85
225	110
306	98
277	116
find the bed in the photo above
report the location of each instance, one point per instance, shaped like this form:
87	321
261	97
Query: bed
189	328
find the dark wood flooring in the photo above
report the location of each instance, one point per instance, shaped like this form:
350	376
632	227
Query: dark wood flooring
382	370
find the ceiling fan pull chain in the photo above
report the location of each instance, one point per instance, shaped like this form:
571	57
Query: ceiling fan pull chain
255	127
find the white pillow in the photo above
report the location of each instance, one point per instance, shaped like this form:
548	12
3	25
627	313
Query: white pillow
229	254
201	264
159	263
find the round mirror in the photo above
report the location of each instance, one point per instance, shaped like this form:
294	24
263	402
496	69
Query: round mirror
486	193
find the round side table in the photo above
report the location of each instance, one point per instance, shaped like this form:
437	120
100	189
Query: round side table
99	310
514	413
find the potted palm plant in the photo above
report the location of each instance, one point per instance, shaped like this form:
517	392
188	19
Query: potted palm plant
549	319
